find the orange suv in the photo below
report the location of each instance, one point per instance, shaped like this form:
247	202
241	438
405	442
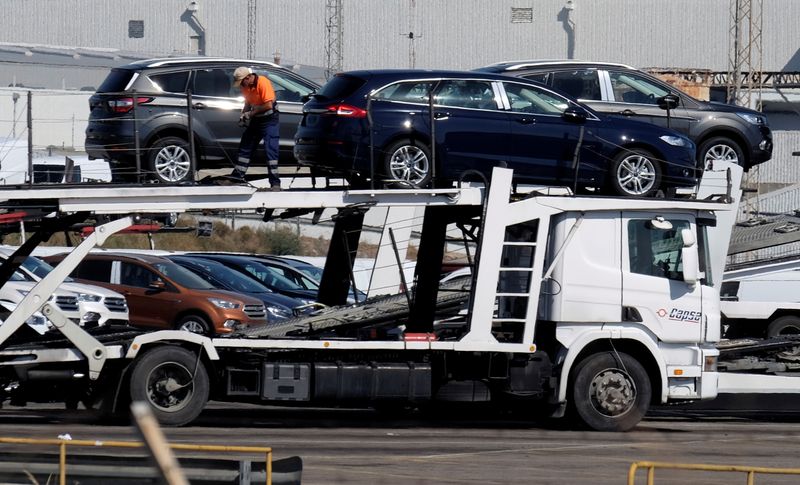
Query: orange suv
163	295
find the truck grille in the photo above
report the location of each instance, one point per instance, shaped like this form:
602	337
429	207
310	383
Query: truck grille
256	312
116	304
67	303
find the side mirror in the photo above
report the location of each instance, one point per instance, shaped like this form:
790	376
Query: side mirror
668	102
575	114
690	258
157	285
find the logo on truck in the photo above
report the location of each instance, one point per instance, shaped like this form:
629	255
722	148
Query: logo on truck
679	315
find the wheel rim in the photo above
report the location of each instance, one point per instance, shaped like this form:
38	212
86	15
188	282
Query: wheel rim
170	387
193	326
612	392
636	174
721	153
410	164
172	163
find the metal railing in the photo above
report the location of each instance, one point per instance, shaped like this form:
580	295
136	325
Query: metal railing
751	471
63	444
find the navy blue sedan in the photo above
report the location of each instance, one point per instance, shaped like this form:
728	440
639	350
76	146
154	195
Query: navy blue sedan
380	125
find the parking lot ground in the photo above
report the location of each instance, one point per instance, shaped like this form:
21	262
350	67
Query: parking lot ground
366	447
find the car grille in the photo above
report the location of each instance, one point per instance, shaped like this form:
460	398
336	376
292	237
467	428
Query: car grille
67	303
116	304
256	312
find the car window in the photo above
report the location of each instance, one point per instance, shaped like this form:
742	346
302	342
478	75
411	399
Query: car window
463	93
215	82
295	276
529	99
271	277
182	276
540	77
135	275
287	88
580	84
408	92
170	82
95	270
630	87
340	86
116	81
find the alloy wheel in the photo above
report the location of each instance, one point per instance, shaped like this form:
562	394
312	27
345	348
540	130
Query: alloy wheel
410	164
172	163
636	174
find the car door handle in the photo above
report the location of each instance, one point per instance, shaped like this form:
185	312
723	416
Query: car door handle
526	121
199	106
441	115
627	112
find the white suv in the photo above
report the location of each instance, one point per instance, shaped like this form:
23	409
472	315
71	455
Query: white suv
97	305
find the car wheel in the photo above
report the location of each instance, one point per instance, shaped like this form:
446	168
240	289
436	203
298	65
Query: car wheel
610	391
170	161
635	172
720	149
786	325
173	381
195	324
408	164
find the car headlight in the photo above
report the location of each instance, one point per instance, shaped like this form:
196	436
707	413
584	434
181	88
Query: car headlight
279	312
677	141
227	305
88	297
752	119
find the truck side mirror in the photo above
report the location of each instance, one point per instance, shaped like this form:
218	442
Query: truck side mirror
690	258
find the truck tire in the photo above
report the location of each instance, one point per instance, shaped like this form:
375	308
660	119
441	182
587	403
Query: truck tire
173	381
610	391
787	325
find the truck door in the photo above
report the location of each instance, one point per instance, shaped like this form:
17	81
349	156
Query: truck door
653	289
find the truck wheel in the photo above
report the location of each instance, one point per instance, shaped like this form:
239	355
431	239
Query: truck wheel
610	391
788	325
170	161
174	382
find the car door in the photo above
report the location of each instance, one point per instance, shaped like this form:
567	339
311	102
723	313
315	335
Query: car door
216	106
148	306
635	96
652	282
472	132
542	144
289	92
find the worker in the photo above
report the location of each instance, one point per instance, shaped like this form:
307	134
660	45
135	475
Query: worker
260	118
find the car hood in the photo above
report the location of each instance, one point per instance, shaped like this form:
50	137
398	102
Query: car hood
91	289
276	299
728	108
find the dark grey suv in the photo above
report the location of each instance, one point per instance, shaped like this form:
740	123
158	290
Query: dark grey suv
160	87
721	131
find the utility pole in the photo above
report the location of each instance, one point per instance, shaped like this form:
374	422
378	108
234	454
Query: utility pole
334	37
251	29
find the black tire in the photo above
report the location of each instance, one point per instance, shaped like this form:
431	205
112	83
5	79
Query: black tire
170	160
610	391
720	148
635	172
195	324
781	326
407	164
166	379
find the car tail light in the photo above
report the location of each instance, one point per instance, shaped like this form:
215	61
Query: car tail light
347	110
123	105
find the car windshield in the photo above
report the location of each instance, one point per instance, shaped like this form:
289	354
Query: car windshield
183	276
314	272
116	81
39	268
214	272
271	277
340	86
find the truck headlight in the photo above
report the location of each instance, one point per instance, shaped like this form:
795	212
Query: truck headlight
225	304
88	297
676	141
